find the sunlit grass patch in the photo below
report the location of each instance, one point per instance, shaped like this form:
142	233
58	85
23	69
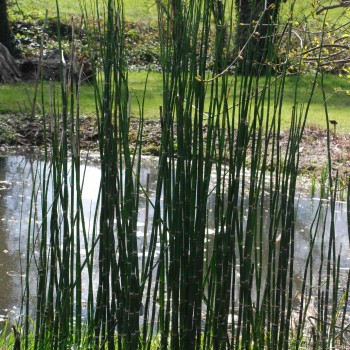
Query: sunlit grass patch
140	10
335	87
135	10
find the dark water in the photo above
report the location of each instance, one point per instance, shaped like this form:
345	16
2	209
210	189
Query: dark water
17	174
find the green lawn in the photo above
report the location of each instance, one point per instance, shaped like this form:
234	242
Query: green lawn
338	102
134	9
142	10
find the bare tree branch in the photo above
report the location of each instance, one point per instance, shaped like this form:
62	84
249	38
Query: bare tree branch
330	7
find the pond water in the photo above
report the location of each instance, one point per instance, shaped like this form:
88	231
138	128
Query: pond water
16	179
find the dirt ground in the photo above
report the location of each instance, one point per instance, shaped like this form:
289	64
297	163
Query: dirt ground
17	131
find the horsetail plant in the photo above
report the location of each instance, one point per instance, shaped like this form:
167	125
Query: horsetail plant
218	276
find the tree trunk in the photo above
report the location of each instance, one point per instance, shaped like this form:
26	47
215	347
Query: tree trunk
9	72
259	46
6	36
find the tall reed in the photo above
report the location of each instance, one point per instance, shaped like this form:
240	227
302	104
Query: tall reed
237	145
58	308
220	280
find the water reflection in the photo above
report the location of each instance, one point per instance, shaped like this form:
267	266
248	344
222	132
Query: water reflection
16	178
15	194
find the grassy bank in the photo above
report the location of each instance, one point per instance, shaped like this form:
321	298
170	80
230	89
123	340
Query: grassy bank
336	90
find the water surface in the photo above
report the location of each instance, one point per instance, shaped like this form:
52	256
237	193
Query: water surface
17	174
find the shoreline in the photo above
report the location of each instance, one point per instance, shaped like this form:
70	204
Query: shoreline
18	132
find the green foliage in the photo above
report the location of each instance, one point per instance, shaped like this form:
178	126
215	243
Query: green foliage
6	134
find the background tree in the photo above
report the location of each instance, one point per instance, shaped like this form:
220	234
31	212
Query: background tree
8	67
249	12
6	36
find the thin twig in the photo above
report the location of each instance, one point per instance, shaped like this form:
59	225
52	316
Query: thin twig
335	6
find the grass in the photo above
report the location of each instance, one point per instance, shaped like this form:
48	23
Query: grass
338	100
135	10
142	10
